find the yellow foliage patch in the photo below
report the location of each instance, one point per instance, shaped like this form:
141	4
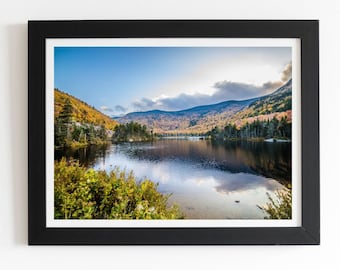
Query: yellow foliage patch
82	112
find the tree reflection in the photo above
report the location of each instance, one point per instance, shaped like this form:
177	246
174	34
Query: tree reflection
87	156
272	160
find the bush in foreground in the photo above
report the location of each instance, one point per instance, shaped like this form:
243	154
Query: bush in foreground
281	206
81	193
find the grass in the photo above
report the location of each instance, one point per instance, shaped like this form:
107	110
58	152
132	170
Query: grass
279	207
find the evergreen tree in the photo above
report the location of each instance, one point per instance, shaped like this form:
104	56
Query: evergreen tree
102	133
131	131
66	112
62	127
273	128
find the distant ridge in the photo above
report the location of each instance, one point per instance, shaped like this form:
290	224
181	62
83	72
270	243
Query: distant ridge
202	109
201	119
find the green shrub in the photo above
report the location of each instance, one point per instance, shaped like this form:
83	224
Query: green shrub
131	132
82	193
281	206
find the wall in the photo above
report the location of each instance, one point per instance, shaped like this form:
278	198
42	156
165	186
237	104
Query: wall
14	252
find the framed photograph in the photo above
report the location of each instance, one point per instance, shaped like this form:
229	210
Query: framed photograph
175	132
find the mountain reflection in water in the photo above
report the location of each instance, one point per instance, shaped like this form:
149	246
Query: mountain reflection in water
205	178
271	160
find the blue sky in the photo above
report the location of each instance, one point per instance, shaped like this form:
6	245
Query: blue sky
118	80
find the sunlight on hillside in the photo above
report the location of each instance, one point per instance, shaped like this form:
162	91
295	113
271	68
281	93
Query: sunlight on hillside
82	112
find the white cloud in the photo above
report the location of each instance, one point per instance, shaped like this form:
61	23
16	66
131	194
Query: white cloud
106	109
223	90
119	108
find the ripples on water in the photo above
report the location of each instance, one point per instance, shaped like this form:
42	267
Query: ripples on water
208	180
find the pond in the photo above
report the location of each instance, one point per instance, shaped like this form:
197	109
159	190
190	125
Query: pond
207	179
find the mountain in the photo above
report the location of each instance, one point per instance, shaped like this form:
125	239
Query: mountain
195	120
277	104
201	119
278	101
81	111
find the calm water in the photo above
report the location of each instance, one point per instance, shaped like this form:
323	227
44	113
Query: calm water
208	180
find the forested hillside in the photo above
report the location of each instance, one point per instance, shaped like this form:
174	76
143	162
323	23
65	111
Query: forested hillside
81	111
278	104
77	124
201	119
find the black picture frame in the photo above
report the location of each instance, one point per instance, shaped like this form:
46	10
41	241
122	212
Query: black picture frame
306	30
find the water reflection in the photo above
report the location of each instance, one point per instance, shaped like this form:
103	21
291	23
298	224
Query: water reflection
272	160
86	155
207	179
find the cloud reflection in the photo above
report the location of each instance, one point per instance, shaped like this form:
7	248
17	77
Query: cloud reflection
175	176
242	182
201	191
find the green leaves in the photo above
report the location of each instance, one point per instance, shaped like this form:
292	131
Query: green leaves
82	193
131	132
279	207
274	128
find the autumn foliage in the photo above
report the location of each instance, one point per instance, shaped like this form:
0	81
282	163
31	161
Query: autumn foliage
82	112
82	193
